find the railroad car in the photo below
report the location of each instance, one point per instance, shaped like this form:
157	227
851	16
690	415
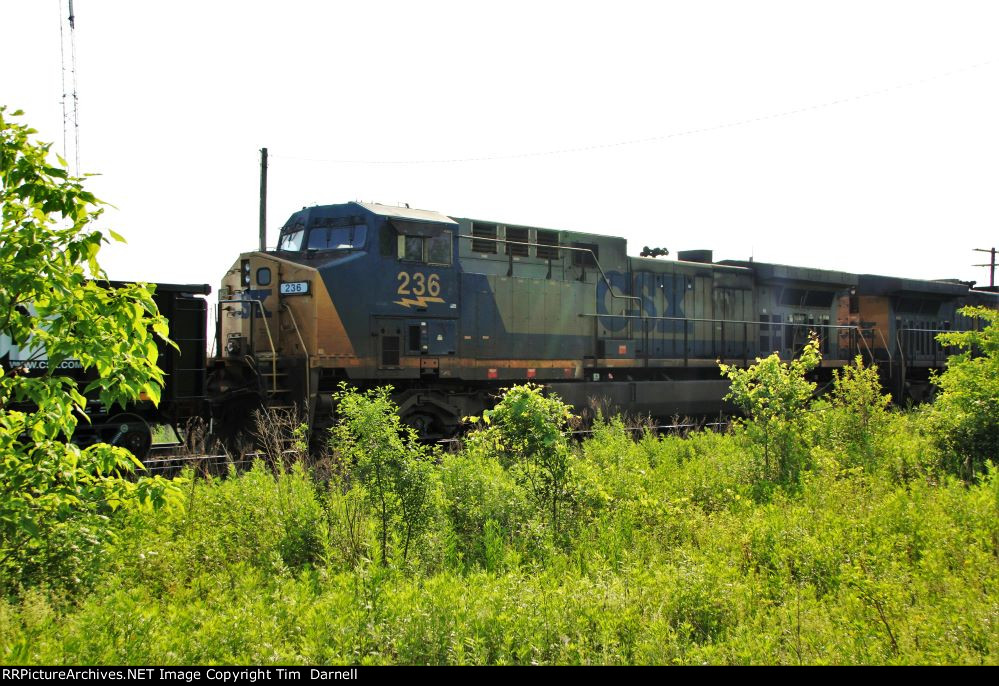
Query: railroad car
449	310
138	425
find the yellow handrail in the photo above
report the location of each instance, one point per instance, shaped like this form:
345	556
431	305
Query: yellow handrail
308	389
270	339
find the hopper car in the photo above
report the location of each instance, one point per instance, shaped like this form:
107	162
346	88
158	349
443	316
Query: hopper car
137	425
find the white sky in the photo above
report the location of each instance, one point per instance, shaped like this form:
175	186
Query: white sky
883	158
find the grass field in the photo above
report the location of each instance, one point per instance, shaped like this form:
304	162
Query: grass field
670	550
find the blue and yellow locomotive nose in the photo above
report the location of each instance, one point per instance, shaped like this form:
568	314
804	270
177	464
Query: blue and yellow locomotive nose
349	290
273	306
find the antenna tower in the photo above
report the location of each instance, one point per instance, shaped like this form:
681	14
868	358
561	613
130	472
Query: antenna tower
70	99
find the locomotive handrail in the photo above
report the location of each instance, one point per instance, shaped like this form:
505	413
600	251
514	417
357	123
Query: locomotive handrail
901	351
730	321
928	330
847	327
267	329
901	347
308	389
610	288
891	358
869	351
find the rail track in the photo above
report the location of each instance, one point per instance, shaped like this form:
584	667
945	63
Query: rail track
215	462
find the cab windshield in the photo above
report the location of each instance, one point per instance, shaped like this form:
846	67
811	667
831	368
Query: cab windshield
336	238
291	240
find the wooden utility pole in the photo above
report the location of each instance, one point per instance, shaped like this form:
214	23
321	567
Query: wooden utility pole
991	265
263	199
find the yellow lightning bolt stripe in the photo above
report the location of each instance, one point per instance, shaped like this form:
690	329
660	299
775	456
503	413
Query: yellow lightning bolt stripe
420	301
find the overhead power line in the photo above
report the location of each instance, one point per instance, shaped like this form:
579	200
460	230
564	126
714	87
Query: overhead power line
649	139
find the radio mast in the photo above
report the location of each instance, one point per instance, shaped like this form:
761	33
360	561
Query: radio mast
70	98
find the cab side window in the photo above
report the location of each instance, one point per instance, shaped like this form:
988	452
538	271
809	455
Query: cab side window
438	248
426	249
412	248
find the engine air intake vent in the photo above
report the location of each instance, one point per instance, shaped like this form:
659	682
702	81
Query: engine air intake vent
486	231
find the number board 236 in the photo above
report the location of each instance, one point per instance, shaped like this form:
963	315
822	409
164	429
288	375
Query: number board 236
418	284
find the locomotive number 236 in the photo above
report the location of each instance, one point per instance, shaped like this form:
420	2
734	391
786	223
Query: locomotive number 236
418	284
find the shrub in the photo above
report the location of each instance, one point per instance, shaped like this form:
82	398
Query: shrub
387	459
527	431
852	421
775	396
965	413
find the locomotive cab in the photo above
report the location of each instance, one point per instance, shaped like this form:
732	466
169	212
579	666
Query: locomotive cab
290	325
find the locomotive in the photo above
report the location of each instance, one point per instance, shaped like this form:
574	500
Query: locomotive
448	310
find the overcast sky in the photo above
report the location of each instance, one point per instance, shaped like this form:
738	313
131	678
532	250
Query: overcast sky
847	135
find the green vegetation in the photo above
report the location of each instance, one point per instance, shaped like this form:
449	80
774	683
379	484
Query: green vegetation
774	395
526	432
392	470
663	550
55	499
966	413
830	531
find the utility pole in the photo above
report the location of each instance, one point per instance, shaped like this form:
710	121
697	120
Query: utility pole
263	199
991	265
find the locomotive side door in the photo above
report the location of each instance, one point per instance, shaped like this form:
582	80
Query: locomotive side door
402	338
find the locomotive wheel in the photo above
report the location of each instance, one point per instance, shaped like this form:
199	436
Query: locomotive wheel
130	431
426	425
